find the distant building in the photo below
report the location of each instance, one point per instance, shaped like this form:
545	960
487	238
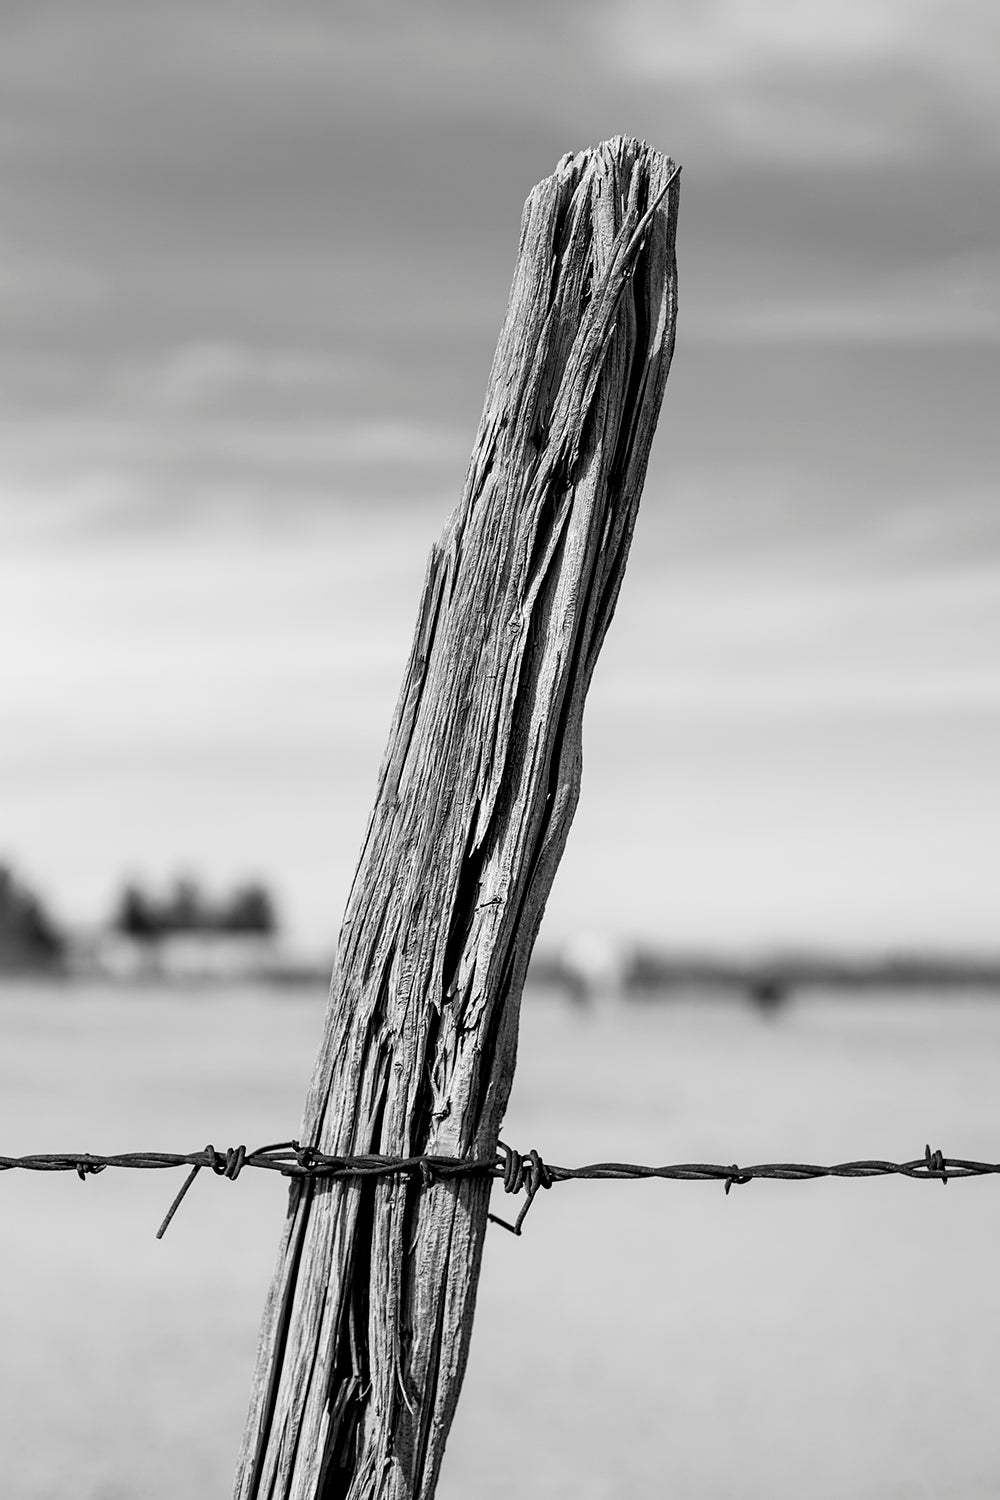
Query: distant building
184	937
177	956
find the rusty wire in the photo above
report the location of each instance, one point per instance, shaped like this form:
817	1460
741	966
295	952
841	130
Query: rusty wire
517	1171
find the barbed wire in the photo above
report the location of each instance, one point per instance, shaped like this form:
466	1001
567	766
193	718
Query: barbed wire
517	1171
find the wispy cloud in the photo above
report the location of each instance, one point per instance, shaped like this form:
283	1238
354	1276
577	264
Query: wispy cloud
205	427
954	300
834	80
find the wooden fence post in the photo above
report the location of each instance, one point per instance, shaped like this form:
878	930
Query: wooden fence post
368	1319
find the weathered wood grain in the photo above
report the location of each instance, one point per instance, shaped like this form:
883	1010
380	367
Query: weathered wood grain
367	1325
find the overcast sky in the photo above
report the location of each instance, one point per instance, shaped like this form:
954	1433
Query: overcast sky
253	263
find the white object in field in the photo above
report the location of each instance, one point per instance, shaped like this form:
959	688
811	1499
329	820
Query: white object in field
595	961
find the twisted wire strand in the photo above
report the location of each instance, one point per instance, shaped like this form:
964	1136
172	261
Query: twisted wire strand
517	1171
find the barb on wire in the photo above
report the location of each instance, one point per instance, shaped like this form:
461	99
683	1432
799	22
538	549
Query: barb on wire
519	1171
516	1171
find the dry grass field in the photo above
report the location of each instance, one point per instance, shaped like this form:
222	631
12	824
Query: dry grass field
823	1339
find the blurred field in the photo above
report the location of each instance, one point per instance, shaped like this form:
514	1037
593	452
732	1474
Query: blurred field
826	1339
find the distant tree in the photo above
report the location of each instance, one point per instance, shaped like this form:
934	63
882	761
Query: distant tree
137	915
249	909
29	938
186	910
769	990
40	932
